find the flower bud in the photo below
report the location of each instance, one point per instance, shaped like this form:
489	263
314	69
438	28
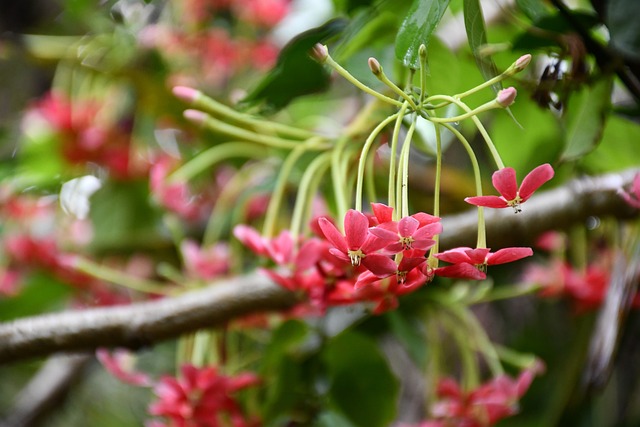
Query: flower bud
320	52
522	62
506	96
375	66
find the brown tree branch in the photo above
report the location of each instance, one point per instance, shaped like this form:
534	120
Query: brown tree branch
145	323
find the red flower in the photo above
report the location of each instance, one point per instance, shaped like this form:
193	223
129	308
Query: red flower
480	258
408	233
484	406
504	180
358	245
201	398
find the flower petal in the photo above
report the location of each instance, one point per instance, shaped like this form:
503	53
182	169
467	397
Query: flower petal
382	212
356	228
487	201
534	180
332	234
454	256
508	255
407	226
504	180
380	265
460	271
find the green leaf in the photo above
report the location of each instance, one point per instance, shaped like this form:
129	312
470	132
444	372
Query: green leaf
283	371
295	73
477	37
535	142
552	26
533	9
585	117
417	28
619	147
361	384
622	21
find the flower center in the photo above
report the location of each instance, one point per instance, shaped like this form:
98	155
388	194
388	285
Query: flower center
515	204
355	257
406	242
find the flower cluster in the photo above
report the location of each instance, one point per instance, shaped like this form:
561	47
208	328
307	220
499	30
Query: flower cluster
377	258
483	406
202	397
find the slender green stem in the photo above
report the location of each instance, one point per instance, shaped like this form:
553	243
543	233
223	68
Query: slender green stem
392	158
488	83
436	192
482	234
206	103
225	202
281	184
515	358
404	171
338	176
363	157
247	135
470	373
370	179
476	330
384	79
314	172
117	277
214	155
491	105
477	122
357	83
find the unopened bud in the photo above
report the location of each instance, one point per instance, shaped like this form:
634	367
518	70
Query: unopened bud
375	66
195	116
506	96
186	94
522	62
320	52
422	51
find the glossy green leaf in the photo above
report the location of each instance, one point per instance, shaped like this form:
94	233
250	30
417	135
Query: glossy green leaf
362	385
586	114
622	21
417	28
295	73
477	37
533	9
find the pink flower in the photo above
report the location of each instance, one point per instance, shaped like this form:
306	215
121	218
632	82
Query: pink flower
358	245
484	406
205	263
504	180
633	196
408	233
480	258
120	365
201	398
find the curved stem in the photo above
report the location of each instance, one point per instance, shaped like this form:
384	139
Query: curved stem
204	102
477	122
244	134
392	158
338	176
278	191
357	83
363	157
404	171
314	172
482	234
214	155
